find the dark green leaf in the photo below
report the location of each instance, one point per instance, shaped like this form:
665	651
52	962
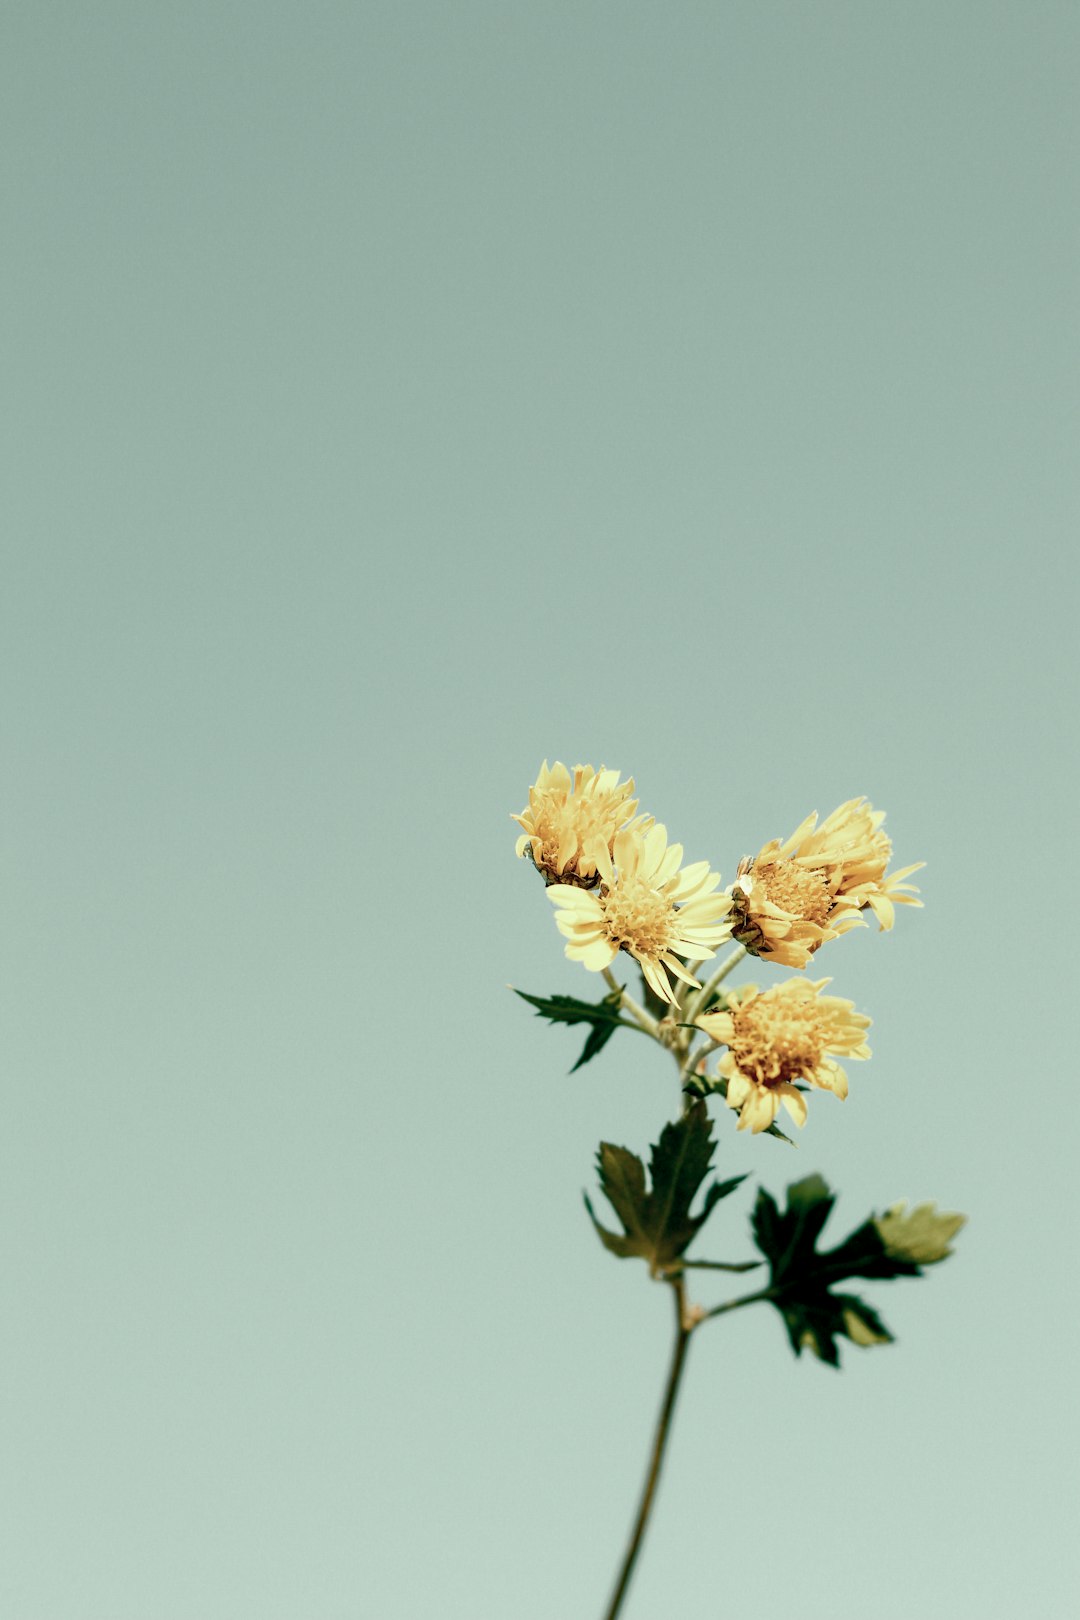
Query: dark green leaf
802	1277
602	1015
595	1041
657	1224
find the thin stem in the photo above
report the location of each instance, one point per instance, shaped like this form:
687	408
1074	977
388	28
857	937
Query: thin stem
694	1058
736	1304
640	1016
702	997
685	1033
721	1265
683	1330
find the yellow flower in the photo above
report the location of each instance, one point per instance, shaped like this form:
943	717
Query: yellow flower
793	896
648	907
780	1035
570	822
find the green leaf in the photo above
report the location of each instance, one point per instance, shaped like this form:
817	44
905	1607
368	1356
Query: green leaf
657	1225
602	1015
803	1278
596	1040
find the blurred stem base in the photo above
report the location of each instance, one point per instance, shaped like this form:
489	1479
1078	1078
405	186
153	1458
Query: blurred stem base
683	1330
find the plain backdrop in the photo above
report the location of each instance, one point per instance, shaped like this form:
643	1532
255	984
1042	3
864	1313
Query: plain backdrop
398	394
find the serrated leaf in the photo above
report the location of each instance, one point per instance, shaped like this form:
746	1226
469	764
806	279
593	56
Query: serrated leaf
569	1010
657	1224
595	1041
622	1178
803	1277
602	1015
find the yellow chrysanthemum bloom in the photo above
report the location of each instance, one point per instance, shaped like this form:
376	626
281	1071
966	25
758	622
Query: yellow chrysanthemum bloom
570	822
648	907
777	1036
793	896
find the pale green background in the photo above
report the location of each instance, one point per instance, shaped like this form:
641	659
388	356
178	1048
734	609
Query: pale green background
398	394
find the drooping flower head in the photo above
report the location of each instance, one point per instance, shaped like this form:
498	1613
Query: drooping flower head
777	1036
570	822
648	907
793	896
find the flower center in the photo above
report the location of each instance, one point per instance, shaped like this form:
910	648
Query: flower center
636	915
805	893
778	1040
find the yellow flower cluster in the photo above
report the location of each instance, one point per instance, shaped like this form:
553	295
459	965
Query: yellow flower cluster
618	885
616	881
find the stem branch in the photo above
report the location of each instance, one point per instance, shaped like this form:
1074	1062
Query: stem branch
734	1304
721	1265
689	1068
702	998
640	1016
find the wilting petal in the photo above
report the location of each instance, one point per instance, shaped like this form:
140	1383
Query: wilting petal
568	816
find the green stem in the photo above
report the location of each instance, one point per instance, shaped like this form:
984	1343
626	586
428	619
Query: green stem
721	1265
702	997
694	1058
736	1304
683	1330
640	1016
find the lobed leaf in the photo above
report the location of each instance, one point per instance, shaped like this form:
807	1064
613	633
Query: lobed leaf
656	1220
803	1277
